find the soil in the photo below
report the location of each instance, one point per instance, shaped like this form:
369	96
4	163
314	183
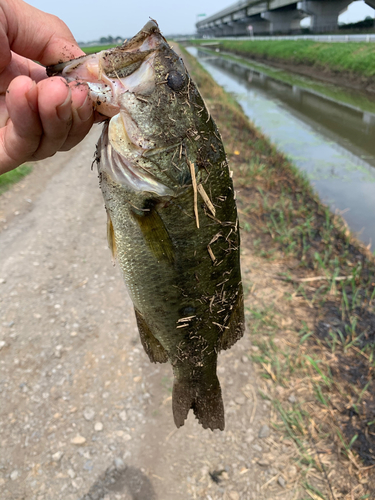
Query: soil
83	413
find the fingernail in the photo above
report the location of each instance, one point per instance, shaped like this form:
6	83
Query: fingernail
64	110
32	97
85	110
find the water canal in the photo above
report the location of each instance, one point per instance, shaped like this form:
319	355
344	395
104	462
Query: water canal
328	132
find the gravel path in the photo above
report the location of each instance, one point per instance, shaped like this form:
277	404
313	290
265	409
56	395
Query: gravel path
83	413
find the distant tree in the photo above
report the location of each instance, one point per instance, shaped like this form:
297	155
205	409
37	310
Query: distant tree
108	39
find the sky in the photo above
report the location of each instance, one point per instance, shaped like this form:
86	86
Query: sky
89	20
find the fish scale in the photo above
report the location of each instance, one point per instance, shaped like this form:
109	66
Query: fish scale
172	218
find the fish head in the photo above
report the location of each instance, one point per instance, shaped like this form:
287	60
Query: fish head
143	87
143	79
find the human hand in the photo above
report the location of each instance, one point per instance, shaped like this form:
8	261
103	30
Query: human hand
38	115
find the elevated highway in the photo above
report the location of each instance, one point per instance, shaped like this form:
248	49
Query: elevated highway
274	17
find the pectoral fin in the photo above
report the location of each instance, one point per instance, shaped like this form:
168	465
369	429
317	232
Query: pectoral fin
151	345
156	235
111	237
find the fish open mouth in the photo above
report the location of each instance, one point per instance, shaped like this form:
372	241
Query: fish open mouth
110	73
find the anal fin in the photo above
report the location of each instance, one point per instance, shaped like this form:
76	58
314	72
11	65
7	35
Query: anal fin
151	345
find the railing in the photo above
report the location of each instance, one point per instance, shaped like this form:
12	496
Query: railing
316	38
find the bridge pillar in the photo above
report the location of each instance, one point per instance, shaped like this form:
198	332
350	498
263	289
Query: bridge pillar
218	31
228	29
240	29
324	14
260	25
284	21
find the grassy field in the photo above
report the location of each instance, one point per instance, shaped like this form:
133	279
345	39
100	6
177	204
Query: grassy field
9	178
96	48
355	58
314	345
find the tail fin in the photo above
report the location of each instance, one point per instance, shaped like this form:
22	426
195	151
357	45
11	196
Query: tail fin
203	397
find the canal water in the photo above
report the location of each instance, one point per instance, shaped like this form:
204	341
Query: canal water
328	132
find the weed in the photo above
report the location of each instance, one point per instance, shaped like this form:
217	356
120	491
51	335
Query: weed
9	178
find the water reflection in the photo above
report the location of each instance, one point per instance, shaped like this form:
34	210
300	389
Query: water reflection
333	142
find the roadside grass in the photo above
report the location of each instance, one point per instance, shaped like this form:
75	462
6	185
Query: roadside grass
9	178
350	57
96	48
315	348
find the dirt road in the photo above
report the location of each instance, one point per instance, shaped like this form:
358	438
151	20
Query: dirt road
83	413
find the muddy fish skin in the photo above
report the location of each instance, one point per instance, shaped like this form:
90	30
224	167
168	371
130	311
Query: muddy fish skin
172	219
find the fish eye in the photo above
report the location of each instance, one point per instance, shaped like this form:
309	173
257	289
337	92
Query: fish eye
176	80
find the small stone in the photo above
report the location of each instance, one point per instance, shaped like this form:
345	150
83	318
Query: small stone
292	399
245	359
73	334
292	471
254	348
119	464
264	431
281	481
240	400
234	495
14	475
263	463
78	440
2	344
89	414
71	473
98	426
256	447
56	457
2	481
77	483
37	315
280	390
2	281
88	465
122	415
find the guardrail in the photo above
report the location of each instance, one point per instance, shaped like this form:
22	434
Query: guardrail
316	38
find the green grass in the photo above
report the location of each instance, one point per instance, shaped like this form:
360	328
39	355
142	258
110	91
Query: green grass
351	57
9	178
96	48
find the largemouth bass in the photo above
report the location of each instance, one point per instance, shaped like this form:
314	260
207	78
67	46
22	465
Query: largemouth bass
172	219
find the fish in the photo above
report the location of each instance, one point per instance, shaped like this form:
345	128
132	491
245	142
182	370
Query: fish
172	218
